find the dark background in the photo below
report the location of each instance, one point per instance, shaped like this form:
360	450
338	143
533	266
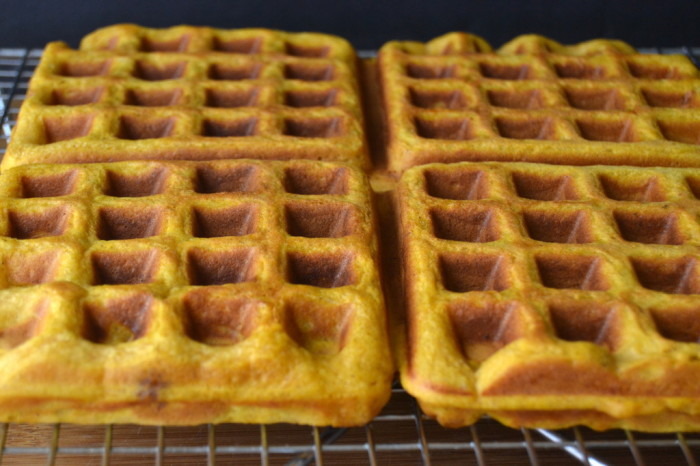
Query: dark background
367	24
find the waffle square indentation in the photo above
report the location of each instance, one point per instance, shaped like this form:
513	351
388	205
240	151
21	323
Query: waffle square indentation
225	72
118	320
320	220
235	179
579	69
303	180
151	71
78	69
178	44
247	46
237	220
595	99
129	222
18	325
565	271
474	272
220	267
483	328
694	185
320	328
525	128
313	127
30	268
637	189
309	72
299	50
231	98
229	128
668	98
438	99
217	320
75	97
425	71
673	276
124	268
544	187
132	127
324	270
516	98
152	97
136	184
642	68
444	128
311	98
457	184
619	130
60	184
38	224
678	323
505	71
558	227
586	321
648	227
63	128
465	223
687	132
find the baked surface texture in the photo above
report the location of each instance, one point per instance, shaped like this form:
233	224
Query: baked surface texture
550	296
534	100
192	93
190	292
188	236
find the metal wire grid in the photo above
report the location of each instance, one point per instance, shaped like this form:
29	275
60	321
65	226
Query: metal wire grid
401	434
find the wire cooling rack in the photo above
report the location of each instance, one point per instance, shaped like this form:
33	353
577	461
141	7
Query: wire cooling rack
401	434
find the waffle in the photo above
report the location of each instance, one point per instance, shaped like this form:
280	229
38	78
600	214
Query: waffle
190	292
549	296
534	100
192	93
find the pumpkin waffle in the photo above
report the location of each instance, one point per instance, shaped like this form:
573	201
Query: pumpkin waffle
534	100
549	296
190	292
192	93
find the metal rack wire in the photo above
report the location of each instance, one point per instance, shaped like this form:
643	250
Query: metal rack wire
401	434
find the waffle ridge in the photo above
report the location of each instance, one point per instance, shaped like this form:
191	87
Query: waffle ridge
226	291
192	93
550	296
454	99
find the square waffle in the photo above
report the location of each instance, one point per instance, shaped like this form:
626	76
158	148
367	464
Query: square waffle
549	296
192	93
534	100
190	292
162	291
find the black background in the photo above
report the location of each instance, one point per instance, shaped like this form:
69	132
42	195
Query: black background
367	24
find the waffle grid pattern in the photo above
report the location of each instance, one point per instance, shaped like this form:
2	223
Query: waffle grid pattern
400	428
291	96
578	283
454	99
215	268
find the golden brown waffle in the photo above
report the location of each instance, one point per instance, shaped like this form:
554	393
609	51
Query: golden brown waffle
548	296
454	99
192	93
184	293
